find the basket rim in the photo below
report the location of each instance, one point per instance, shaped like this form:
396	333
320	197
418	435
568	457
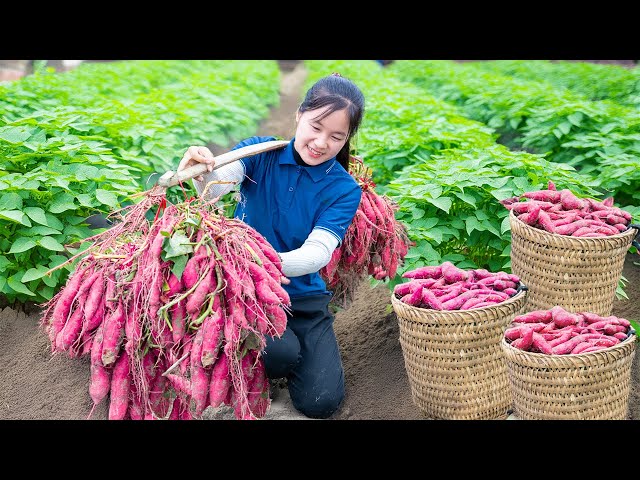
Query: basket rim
538	231
516	351
517	297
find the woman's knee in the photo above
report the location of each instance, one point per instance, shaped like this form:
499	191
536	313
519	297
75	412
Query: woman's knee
281	355
318	403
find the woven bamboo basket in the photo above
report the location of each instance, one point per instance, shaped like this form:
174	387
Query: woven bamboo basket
578	274
453	359
584	386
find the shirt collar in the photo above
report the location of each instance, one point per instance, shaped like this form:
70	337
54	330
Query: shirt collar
317	172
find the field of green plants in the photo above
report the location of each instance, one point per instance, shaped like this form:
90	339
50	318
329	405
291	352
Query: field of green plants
446	141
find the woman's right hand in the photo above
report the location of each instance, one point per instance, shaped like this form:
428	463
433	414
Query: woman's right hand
195	155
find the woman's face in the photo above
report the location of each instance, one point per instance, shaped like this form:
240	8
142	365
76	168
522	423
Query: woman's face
319	140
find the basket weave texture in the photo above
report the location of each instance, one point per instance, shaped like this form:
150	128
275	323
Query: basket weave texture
578	274
453	359
584	386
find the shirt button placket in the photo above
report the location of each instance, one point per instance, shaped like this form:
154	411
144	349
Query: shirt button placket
291	187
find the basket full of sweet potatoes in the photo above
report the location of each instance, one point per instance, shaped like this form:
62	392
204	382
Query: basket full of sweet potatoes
566	365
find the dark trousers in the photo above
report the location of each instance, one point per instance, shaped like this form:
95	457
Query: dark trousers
307	354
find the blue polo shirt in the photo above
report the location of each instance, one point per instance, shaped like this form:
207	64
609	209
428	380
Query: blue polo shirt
285	201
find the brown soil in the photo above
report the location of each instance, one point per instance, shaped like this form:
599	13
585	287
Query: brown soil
38	386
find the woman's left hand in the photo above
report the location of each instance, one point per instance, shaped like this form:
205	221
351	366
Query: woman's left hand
195	155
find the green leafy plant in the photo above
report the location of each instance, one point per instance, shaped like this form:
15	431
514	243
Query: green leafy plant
69	153
540	118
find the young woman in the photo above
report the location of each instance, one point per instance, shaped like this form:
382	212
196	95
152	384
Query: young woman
302	199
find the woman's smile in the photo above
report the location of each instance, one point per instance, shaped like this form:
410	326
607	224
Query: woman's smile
314	153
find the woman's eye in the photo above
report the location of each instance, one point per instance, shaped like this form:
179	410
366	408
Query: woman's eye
336	139
315	128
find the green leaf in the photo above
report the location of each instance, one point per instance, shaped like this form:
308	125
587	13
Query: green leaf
473	224
34	273
195	221
417	213
621	293
412	253
428	252
436	235
51	244
178	245
106	197
86	172
62	202
55	260
522	183
31	185
14	134
147	145
457	223
85	199
489	226
179	264
505	226
496	243
427	189
47	292
465	264
61	182
443	203
495	182
453	257
74	219
22	244
51	280
83	246
11	201
15	216
575	118
565	127
425	223
72	231
467	198
481	215
38	230
53	222
37	215
4	262
19	286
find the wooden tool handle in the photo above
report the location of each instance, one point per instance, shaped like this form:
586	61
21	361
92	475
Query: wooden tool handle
171	178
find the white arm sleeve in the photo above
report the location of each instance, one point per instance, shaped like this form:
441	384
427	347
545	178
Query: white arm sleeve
231	174
314	254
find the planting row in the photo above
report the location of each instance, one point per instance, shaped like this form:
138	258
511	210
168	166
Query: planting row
597	137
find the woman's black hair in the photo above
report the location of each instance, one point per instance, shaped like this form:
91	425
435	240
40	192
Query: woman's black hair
338	93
